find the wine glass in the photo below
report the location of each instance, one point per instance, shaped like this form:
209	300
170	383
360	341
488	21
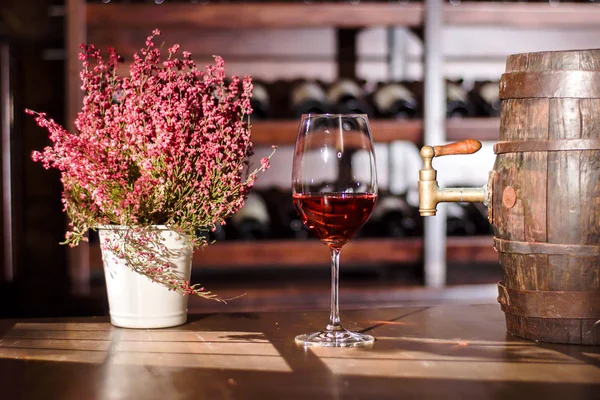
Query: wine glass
334	189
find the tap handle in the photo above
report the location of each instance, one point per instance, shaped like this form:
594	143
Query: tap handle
467	146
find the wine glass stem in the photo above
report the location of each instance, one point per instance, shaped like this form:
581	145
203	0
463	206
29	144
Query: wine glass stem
334	317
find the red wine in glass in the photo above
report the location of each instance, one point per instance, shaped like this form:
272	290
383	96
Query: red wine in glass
334	189
334	218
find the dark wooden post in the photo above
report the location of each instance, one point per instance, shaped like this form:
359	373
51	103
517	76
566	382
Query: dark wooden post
346	52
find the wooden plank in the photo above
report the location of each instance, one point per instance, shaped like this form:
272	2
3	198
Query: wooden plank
525	15
564	211
284	132
590	194
254	15
514	220
564	207
310	253
241	45
589	268
509	222
534	194
483	129
474	249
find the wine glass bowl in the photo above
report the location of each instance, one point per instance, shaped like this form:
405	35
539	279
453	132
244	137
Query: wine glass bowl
334	190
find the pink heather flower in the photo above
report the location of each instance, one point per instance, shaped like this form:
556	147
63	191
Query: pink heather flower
167	144
264	162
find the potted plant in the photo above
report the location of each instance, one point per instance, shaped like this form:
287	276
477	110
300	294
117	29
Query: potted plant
157	157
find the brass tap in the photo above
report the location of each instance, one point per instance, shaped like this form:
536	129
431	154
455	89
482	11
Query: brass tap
430	194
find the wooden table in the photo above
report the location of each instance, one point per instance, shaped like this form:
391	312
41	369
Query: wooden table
448	352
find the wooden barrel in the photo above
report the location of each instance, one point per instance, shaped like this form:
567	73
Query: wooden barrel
545	200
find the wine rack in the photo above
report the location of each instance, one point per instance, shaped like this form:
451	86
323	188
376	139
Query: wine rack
83	18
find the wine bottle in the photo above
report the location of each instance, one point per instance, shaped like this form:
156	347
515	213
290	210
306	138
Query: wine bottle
467	219
260	101
308	97
485	100
392	217
400	214
347	97
281	212
457	221
251	221
395	100
457	102
218	233
292	225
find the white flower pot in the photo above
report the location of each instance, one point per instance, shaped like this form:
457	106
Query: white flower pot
134	300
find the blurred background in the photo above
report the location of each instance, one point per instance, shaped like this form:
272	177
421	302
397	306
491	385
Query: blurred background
305	56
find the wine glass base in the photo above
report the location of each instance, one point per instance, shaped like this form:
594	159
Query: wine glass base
341	338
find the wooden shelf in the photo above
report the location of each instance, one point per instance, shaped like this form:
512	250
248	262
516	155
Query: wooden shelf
284	132
310	253
254	15
286	15
473	128
523	15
